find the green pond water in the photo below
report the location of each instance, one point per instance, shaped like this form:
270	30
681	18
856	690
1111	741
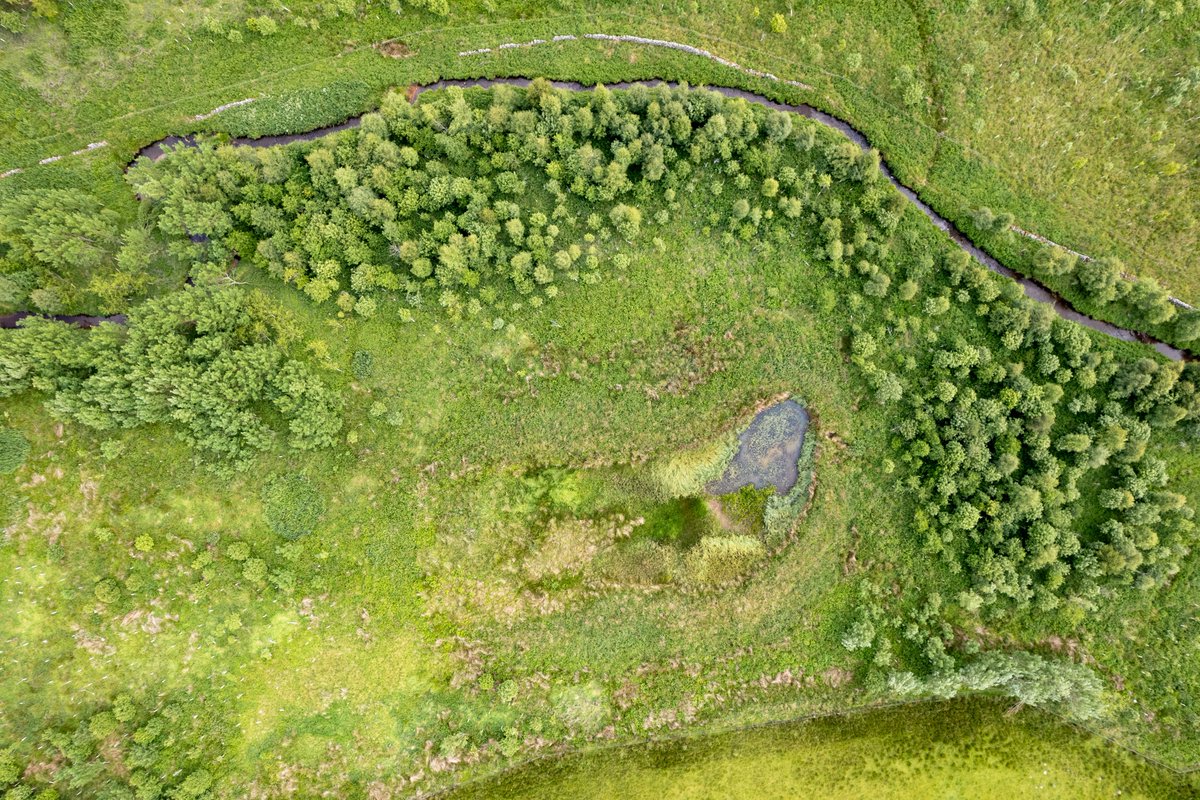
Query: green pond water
960	749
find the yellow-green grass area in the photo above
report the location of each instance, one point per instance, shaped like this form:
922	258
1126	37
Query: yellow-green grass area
950	750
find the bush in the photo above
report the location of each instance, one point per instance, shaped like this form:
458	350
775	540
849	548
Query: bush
291	505
107	591
14	448
238	551
263	26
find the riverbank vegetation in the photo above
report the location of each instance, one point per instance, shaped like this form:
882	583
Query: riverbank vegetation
396	472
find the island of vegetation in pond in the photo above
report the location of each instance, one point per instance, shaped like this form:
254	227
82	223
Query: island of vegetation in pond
458	436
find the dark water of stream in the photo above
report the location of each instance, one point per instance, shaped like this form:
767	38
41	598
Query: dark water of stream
81	320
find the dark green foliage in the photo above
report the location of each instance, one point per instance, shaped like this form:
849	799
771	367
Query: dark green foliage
292	506
47	240
745	507
362	364
999	437
210	362
680	522
1187	326
14	448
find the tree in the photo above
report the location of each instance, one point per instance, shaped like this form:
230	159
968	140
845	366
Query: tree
1100	278
626	219
888	388
1152	300
1187	326
212	362
860	635
936	306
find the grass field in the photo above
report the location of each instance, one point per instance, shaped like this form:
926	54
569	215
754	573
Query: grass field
494	559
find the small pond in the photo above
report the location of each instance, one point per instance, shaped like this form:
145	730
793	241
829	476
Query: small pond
768	451
959	749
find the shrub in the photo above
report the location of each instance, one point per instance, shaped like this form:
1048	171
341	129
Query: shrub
9	769
778	23
14	449
291	505
263	26
255	570
238	551
626	219
935	306
102	725
106	591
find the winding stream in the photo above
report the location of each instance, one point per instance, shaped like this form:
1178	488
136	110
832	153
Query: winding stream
1032	288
